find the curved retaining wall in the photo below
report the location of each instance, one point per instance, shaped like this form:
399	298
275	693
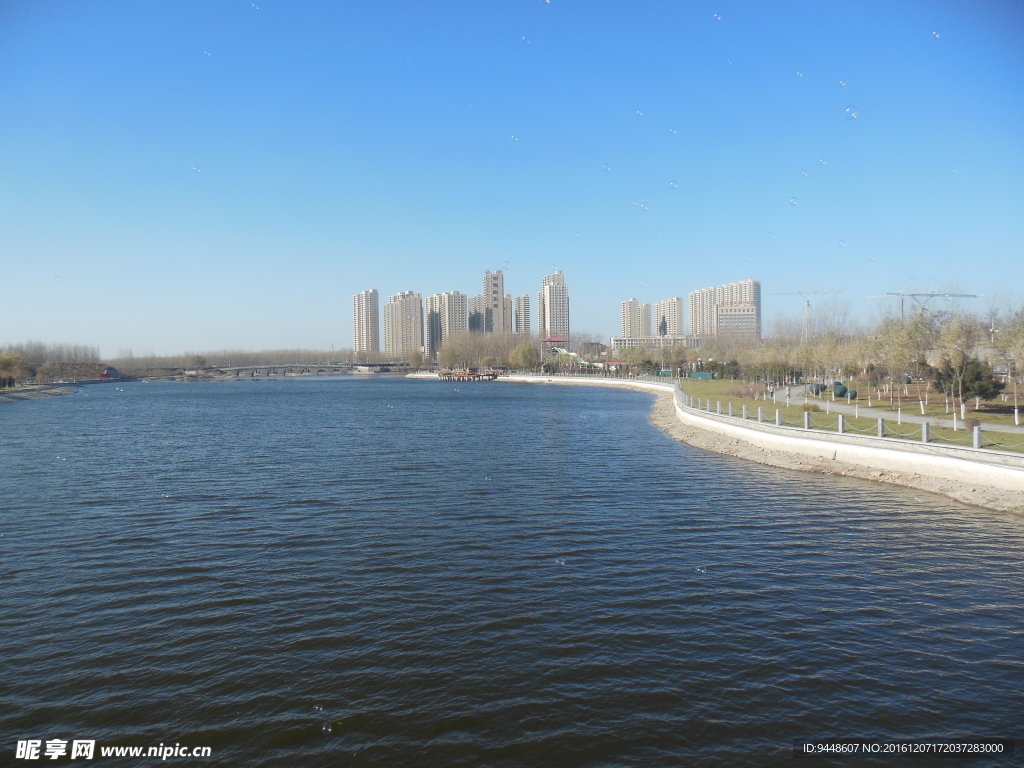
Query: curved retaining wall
998	469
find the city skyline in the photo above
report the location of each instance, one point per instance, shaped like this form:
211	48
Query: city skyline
730	310
412	324
200	170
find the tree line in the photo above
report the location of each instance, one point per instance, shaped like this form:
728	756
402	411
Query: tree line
47	363
958	353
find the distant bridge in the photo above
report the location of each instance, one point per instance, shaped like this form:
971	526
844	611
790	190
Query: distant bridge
299	369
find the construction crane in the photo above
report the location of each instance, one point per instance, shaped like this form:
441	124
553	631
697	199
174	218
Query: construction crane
922	297
806	333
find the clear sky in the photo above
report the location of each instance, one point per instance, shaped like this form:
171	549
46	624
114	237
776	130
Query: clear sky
209	174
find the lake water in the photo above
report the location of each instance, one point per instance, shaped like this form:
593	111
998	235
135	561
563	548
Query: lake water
475	574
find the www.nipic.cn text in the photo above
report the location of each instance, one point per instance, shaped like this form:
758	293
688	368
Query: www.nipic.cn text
54	749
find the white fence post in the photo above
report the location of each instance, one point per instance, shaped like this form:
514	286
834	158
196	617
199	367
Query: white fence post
881	427
842	424
977	437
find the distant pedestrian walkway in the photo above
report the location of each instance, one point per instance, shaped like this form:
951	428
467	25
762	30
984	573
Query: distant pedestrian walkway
797	396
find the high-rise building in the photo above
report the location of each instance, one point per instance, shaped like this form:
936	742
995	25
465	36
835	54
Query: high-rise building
506	317
636	319
494	301
668	317
366	321
476	314
445	314
645	319
403	324
733	309
523	314
553	306
630	318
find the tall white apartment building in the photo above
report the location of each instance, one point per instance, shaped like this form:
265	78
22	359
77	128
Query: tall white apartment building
645	319
733	309
445	314
494	301
366	321
403	324
631	318
553	306
523	314
668	317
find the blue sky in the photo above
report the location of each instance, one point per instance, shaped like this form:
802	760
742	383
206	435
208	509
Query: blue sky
350	145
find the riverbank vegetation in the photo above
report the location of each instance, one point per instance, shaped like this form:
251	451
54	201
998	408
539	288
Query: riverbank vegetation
48	363
929	364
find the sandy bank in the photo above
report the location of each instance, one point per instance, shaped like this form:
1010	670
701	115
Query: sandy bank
34	393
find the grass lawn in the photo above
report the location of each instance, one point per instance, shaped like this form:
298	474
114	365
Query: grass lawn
739	394
991	411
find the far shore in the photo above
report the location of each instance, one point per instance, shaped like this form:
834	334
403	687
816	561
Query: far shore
35	392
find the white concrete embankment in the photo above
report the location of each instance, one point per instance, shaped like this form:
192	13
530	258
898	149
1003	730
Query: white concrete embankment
890	460
997	470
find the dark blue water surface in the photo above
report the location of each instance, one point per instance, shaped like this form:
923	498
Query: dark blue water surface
475	574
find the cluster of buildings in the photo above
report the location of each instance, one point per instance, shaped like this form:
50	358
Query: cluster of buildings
414	324
730	311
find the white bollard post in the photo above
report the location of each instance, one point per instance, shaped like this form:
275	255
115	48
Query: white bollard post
807	419
760	414
718	406
744	411
977	437
778	418
730	409
881	427
924	432
842	424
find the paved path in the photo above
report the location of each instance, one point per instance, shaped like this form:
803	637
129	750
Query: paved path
797	398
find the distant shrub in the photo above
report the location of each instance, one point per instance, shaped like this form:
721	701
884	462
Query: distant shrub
970	424
812	407
743	390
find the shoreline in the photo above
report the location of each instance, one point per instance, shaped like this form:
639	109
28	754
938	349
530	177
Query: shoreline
664	415
10	396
